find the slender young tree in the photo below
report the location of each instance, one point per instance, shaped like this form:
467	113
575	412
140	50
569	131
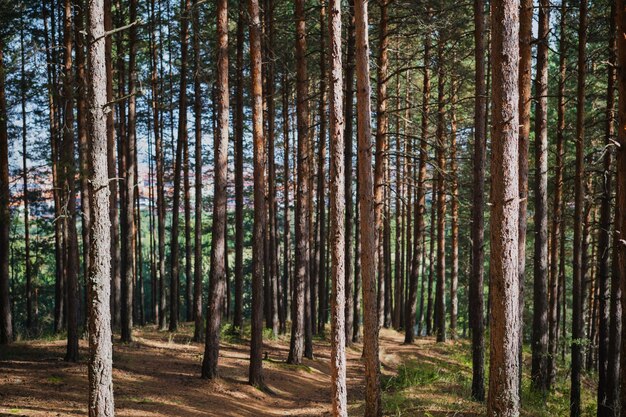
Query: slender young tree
6	322
373	406
504	292
218	232
420	202
620	159
605	409
348	142
337	215
180	144
539	371
440	300
69	198
100	367
296	346
197	111
128	230
238	313
477	269
579	202
382	144
255	376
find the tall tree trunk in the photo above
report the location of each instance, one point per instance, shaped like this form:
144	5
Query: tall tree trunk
420	202
238	314
477	270
100	347
67	158
380	164
605	409
31	316
321	182
504	347
128	231
557	218
286	287
440	300
6	322
116	280
431	261
524	85
296	346
348	142
579	202
620	159
255	376
187	205
337	215
197	111
81	113
180	144
218	232
368	230
454	197
539	371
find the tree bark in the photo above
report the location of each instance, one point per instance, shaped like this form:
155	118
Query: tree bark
255	376
238	313
539	371
579	202
337	215
380	164
69	198
6	322
180	144
100	347
296	347
525	101
440	300
197	111
504	347
373	405
348	142
218	232
477	269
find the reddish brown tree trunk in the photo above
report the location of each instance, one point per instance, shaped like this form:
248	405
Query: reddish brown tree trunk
504	347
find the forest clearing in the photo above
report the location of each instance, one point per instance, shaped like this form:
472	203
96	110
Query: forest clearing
156	375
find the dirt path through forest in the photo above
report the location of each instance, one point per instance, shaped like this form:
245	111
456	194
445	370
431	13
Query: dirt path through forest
158	375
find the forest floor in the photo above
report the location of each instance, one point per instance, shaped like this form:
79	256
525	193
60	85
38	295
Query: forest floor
158	375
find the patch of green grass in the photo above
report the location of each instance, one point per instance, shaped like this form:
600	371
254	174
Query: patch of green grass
286	365
412	373
55	379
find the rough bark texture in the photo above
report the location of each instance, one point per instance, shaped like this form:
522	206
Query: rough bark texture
524	83
504	294
218	231
337	216
296	347
539	371
579	203
100	346
255	376
348	142
380	164
373	405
